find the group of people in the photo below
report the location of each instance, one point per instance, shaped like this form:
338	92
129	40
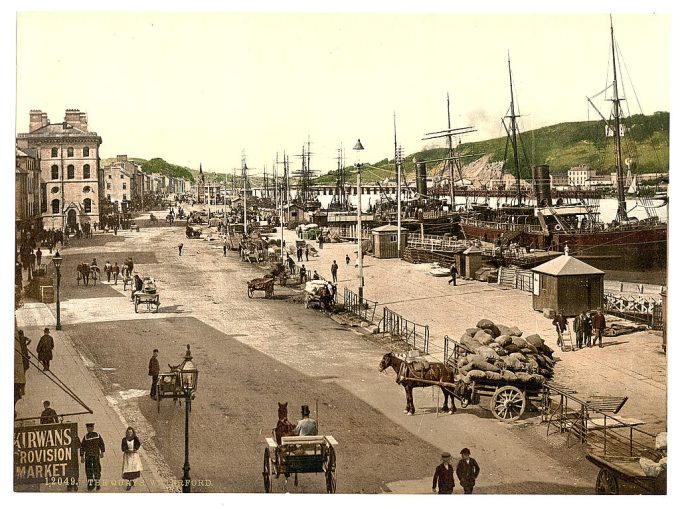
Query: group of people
466	470
22	358
588	327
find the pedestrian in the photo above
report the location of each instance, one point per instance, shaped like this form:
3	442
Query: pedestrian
92	449
31	264
224	248
18	275
599	324
291	265
116	270
45	347
48	415
578	329
154	370
180	248
315	276
443	476
347	259
38	257
321	240
306	253
23	347
303	274
587	329
467	471
334	271
560	323
137	286
115	229
107	269
306	426
299	253
132	465
453	271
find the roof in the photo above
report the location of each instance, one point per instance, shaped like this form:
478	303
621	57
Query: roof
57	130
566	265
388	228
20	153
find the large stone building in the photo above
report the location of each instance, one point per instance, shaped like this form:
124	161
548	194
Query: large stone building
69	165
27	193
121	185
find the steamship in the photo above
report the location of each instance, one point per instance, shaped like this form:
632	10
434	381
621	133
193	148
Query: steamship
625	244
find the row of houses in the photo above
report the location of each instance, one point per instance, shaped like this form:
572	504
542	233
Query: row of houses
61	183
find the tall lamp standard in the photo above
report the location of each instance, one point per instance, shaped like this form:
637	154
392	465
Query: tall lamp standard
56	260
189	378
360	255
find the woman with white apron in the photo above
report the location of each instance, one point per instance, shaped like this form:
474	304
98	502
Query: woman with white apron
132	464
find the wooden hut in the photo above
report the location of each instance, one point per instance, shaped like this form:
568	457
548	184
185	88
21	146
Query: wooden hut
566	283
385	241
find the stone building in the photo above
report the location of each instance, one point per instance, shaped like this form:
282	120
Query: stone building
27	193
121	183
69	167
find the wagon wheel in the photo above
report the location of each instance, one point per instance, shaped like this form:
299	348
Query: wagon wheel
267	471
136	303
329	468
606	483
508	403
250	292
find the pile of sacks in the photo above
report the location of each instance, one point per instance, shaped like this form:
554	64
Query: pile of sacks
501	353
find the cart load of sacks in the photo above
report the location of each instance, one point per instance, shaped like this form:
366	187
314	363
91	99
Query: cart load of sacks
501	353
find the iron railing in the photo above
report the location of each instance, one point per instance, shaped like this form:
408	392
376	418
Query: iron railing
360	307
418	336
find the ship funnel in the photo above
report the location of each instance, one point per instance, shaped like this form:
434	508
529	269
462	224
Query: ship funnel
421	179
541	176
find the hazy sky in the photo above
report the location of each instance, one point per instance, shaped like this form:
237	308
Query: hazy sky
202	87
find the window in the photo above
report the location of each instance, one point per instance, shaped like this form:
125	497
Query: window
122	176
86	171
55	190
86	151
55	206
69	152
55	152
108	185
55	172
110	177
70	172
108	197
393	238
88	205
124	197
124	185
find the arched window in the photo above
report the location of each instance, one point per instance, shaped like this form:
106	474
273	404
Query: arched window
55	172
86	151
69	152
55	190
86	171
55	152
70	172
88	205
55	206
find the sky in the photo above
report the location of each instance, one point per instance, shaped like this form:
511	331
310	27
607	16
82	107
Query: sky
202	87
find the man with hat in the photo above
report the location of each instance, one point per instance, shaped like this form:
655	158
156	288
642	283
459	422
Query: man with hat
91	450
467	471
443	476
45	347
306	426
48	415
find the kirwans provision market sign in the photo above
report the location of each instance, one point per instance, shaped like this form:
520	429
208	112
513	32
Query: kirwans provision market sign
46	453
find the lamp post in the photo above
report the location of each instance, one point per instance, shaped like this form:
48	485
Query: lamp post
56	260
189	378
360	260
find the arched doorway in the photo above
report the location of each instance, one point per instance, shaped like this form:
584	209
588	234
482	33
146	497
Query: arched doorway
71	220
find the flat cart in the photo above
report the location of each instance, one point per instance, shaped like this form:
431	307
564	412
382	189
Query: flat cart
151	300
627	469
300	455
265	284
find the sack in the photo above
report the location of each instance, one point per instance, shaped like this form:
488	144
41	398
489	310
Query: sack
484	324
651	468
524	377
529	349
483	366
537	379
516	331
488	354
519	342
504	329
511	348
661	442
471	332
508	376
519	356
535	340
476	374
504	340
492	375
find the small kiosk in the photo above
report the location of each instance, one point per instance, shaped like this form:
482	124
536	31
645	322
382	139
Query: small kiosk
385	241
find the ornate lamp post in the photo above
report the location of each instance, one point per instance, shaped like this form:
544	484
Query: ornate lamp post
56	260
189	378
360	259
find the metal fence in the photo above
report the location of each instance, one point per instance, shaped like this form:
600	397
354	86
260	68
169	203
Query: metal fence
414	334
360	307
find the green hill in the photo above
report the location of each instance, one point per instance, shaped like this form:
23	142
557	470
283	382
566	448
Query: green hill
158	165
561	146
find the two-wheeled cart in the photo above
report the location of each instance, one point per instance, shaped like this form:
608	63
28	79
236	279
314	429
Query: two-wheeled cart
264	284
627	469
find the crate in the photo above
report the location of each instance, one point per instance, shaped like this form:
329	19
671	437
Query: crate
47	294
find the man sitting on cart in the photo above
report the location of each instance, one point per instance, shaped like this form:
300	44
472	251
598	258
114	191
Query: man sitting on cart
306	426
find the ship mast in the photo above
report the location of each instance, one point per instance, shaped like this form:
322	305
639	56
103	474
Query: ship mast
621	214
513	130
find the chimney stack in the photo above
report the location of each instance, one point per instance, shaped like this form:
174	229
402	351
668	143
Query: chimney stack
121	158
75	118
37	119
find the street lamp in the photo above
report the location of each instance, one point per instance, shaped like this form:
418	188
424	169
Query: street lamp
189	379
360	260
56	260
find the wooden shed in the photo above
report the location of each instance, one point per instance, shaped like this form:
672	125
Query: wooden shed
566	283
385	241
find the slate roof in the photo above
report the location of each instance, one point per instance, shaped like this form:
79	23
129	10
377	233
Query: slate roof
58	130
388	228
566	266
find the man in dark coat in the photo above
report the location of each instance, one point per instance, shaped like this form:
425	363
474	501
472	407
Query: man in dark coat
578	329
560	323
443	476
38	257
154	370
334	271
92	448
23	346
48	415
599	324
453	271
45	347
467	471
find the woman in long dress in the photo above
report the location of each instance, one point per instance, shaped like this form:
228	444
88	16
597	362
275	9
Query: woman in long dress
132	464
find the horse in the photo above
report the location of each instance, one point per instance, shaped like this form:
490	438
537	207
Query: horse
83	272
284	428
437	372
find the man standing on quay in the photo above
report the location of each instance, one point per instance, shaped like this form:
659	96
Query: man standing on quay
443	476
467	471
599	324
154	370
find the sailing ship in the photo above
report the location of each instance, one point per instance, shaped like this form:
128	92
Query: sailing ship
625	244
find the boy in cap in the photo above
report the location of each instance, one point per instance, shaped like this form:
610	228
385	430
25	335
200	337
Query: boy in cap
91	450
306	426
467	471
443	476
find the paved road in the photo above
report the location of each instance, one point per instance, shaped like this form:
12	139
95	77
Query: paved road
253	353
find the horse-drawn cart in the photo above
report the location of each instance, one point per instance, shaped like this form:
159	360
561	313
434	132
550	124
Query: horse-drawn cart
300	455
148	295
265	284
628	470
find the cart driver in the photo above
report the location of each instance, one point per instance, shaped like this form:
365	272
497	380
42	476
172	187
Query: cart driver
306	426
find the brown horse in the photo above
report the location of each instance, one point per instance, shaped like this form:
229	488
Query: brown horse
284	428
434	372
